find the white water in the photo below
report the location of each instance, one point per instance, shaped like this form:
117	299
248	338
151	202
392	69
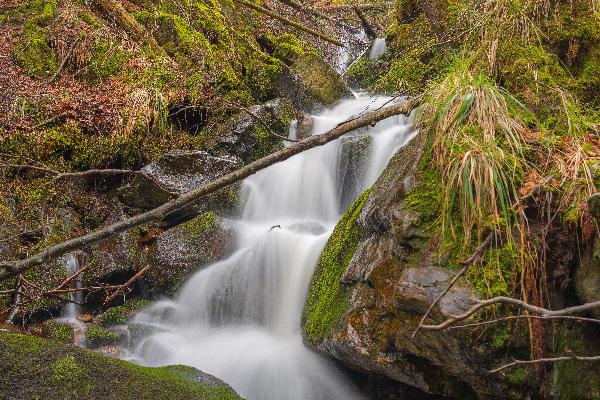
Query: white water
71	310
239	319
378	48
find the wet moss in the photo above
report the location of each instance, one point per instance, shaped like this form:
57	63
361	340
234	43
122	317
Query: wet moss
327	298
107	60
58	331
97	336
118	315
35	368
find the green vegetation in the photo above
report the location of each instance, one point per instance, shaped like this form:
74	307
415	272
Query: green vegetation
119	314
327	297
97	336
60	331
63	371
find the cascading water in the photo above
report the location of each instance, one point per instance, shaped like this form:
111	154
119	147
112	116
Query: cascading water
71	310
378	48
239	319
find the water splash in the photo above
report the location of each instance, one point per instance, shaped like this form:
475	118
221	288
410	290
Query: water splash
239	319
72	310
378	48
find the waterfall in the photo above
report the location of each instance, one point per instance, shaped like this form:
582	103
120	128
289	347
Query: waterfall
378	48
239	319
71	310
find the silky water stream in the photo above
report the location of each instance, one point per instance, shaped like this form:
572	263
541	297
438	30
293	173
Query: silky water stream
239	319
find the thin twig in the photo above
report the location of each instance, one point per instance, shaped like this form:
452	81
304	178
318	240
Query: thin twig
125	286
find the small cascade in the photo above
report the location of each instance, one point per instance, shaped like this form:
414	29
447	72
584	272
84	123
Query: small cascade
72	310
239	319
378	48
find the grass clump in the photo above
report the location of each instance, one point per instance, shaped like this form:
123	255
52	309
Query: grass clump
478	147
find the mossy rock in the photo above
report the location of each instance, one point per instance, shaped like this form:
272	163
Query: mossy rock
36	368
327	297
60	331
119	315
97	336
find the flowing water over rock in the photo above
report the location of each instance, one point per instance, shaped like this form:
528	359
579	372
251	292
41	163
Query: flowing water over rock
239	319
71	310
378	48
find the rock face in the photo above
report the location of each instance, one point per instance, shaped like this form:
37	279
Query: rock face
310	83
587	277
68	372
176	173
381	285
249	135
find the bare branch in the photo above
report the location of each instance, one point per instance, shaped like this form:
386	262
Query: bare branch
474	258
517	317
125	286
518	303
545	360
289	22
12	268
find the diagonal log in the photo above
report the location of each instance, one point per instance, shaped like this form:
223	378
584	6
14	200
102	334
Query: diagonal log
289	22
12	268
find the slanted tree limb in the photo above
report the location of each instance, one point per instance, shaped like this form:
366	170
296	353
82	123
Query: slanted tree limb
365	23
315	12
362	7
12	268
127	22
527	316
289	22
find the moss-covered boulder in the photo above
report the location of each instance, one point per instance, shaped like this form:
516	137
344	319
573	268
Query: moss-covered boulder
60	331
35	368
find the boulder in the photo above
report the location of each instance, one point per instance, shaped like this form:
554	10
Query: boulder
587	276
33	368
176	173
310	83
373	284
248	135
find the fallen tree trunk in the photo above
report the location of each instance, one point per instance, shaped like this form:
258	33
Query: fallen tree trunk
315	12
289	22
12	268
365	23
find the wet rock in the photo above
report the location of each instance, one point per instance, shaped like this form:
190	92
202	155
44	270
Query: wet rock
311	83
176	173
180	251
587	277
353	165
389	283
246	135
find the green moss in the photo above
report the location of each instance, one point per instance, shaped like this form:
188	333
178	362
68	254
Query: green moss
37	368
106	60
327	297
58	331
34	54
118	315
33	51
199	226
96	336
518	376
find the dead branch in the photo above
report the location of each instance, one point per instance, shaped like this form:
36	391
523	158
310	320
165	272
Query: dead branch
313	11
72	277
545	360
517	317
12	268
64	61
365	23
125	286
289	22
474	258
515	302
362	7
